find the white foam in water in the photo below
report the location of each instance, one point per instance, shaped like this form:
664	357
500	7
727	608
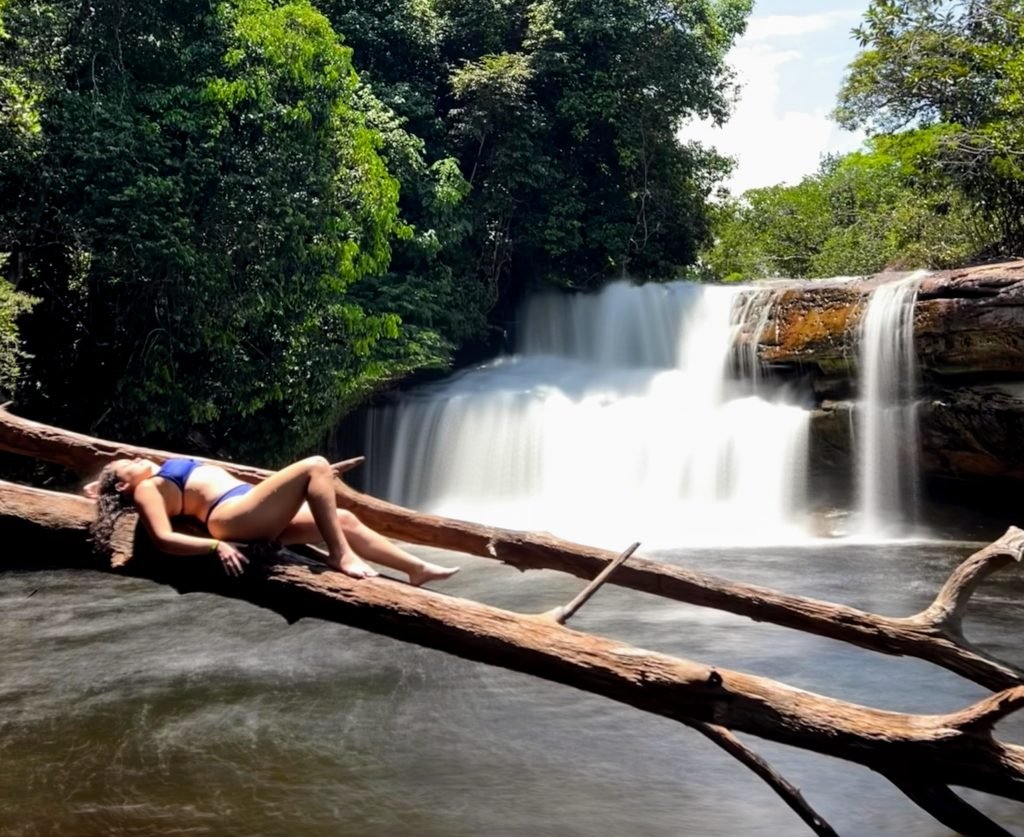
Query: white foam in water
615	422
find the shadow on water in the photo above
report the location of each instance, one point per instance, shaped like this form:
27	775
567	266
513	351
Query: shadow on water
127	709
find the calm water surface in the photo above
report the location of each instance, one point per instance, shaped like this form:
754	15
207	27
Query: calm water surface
128	709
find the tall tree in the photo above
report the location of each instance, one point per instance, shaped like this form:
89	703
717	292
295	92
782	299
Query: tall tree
945	79
563	117
204	195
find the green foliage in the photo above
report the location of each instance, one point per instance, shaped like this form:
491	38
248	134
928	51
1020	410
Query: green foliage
941	85
430	284
775	231
206	196
562	117
12	306
438	307
235	239
569	136
859	214
947	80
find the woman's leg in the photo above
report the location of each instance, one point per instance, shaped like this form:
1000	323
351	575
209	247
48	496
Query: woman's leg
266	512
369	544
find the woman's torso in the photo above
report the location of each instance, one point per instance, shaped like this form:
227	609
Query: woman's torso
204	484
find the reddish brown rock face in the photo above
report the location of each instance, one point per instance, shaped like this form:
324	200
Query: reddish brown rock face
971	322
969	340
968	321
816	324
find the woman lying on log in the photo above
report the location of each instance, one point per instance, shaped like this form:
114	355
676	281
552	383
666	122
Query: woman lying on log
294	505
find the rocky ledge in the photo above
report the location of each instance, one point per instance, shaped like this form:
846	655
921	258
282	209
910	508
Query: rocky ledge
966	432
967	322
969	341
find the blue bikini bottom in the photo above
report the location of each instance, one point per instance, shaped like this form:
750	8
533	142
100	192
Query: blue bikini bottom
237	491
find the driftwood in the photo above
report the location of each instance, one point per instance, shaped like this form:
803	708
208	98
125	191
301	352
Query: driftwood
37	518
923	754
935	634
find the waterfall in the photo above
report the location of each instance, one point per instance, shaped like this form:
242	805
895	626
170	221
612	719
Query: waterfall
616	419
752	313
887	440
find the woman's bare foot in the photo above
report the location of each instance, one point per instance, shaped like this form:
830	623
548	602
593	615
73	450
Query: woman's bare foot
354	566
430	572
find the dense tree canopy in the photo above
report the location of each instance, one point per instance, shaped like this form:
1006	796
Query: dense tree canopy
940	87
858	214
202	195
562	118
12	306
946	80
234	238
19	132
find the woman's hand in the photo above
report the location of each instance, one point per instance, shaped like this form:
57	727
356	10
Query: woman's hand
339	468
231	559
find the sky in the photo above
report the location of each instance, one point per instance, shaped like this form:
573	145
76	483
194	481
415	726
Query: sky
790	64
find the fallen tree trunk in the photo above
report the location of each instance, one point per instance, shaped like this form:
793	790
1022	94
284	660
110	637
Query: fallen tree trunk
925	753
935	634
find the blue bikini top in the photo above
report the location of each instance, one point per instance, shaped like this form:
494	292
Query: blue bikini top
178	471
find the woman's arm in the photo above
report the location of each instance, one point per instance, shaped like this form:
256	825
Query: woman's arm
153	512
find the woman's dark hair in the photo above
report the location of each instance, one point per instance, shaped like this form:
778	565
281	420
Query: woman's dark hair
110	505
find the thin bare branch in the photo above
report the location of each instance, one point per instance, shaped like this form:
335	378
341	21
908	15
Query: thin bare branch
787	791
564	613
949	809
947	611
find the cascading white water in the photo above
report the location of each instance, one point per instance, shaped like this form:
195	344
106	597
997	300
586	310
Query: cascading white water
752	312
887	440
615	421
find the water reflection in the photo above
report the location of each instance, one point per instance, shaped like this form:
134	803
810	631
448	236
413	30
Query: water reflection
129	709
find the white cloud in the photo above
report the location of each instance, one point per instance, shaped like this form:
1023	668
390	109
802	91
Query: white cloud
770	27
774	143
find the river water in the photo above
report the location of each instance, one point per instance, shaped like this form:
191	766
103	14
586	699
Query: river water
128	709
